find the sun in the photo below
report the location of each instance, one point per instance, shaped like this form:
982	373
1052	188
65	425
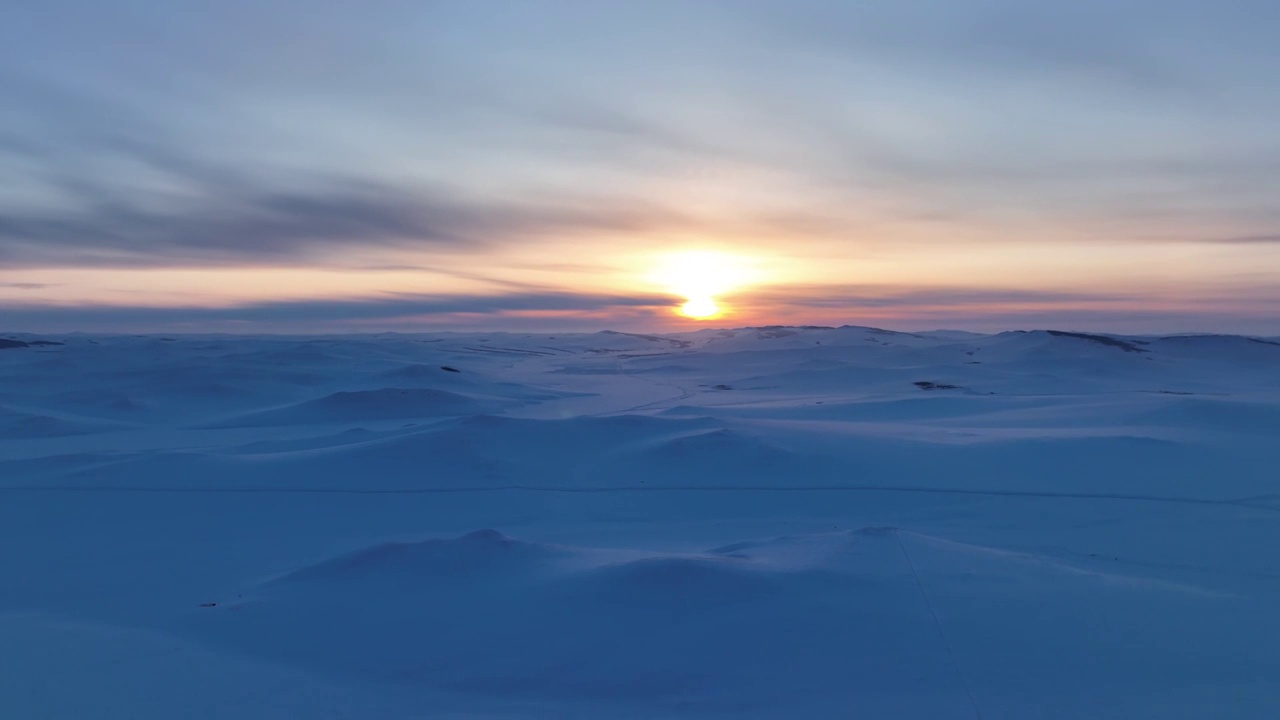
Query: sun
700	308
701	275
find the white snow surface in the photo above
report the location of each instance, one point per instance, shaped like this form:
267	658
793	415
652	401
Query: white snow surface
754	523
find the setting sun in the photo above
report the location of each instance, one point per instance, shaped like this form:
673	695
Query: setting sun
700	308
701	275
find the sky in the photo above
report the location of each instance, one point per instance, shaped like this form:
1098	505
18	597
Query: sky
401	165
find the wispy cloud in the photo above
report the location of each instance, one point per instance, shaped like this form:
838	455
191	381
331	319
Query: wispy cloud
310	313
1247	240
126	194
541	309
291	226
869	296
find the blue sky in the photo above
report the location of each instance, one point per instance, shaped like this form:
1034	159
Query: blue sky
979	164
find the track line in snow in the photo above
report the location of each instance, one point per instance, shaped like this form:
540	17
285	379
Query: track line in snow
644	488
951	653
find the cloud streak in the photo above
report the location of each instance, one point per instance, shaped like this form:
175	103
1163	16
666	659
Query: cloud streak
291	226
1247	240
853	296
313	313
535	309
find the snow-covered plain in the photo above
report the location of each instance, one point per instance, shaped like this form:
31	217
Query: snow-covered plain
757	523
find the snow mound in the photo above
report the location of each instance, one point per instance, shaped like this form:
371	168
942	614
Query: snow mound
369	405
482	551
494	616
1223	415
680	582
488	614
468	380
488	451
714	457
46	426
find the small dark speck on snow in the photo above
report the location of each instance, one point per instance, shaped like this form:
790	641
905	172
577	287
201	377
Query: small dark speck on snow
926	385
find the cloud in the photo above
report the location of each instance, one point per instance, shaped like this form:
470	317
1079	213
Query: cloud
908	309
127	193
994	309
318	313
944	127
854	297
1247	240
1092	40
535	309
26	285
269	227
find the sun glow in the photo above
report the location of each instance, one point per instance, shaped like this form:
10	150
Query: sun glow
700	308
700	276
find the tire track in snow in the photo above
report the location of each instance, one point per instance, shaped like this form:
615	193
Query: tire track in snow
644	488
951	653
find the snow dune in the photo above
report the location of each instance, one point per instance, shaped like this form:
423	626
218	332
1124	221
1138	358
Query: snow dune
360	405
755	523
855	619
